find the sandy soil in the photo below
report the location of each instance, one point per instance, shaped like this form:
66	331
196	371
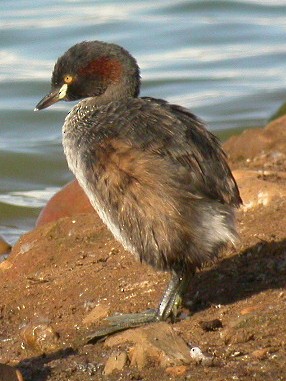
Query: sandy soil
66	274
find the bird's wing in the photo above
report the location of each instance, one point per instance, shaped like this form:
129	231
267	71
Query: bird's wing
196	160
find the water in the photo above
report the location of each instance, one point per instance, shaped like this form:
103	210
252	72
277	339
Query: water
225	60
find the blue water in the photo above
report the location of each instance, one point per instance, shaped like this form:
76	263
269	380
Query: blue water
225	60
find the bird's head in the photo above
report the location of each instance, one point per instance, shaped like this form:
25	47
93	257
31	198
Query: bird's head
93	69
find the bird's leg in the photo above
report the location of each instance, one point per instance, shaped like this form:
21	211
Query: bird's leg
172	298
168	306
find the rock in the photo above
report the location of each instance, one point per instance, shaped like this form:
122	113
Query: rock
9	373
97	313
115	362
40	337
69	201
156	342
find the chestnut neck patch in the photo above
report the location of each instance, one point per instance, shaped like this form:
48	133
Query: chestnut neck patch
104	67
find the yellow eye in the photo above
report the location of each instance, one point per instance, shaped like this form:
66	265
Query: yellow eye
68	79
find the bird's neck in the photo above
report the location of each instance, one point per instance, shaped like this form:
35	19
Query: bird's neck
117	91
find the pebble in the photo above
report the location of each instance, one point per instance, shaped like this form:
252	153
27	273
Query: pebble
40	337
212	325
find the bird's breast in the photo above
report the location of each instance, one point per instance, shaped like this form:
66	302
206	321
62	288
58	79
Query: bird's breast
87	161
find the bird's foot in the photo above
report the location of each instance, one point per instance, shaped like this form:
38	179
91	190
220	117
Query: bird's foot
121	322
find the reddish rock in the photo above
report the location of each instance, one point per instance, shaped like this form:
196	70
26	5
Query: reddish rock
69	201
115	362
156	343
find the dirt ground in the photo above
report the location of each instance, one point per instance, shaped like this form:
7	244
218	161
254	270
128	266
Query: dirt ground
63	273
